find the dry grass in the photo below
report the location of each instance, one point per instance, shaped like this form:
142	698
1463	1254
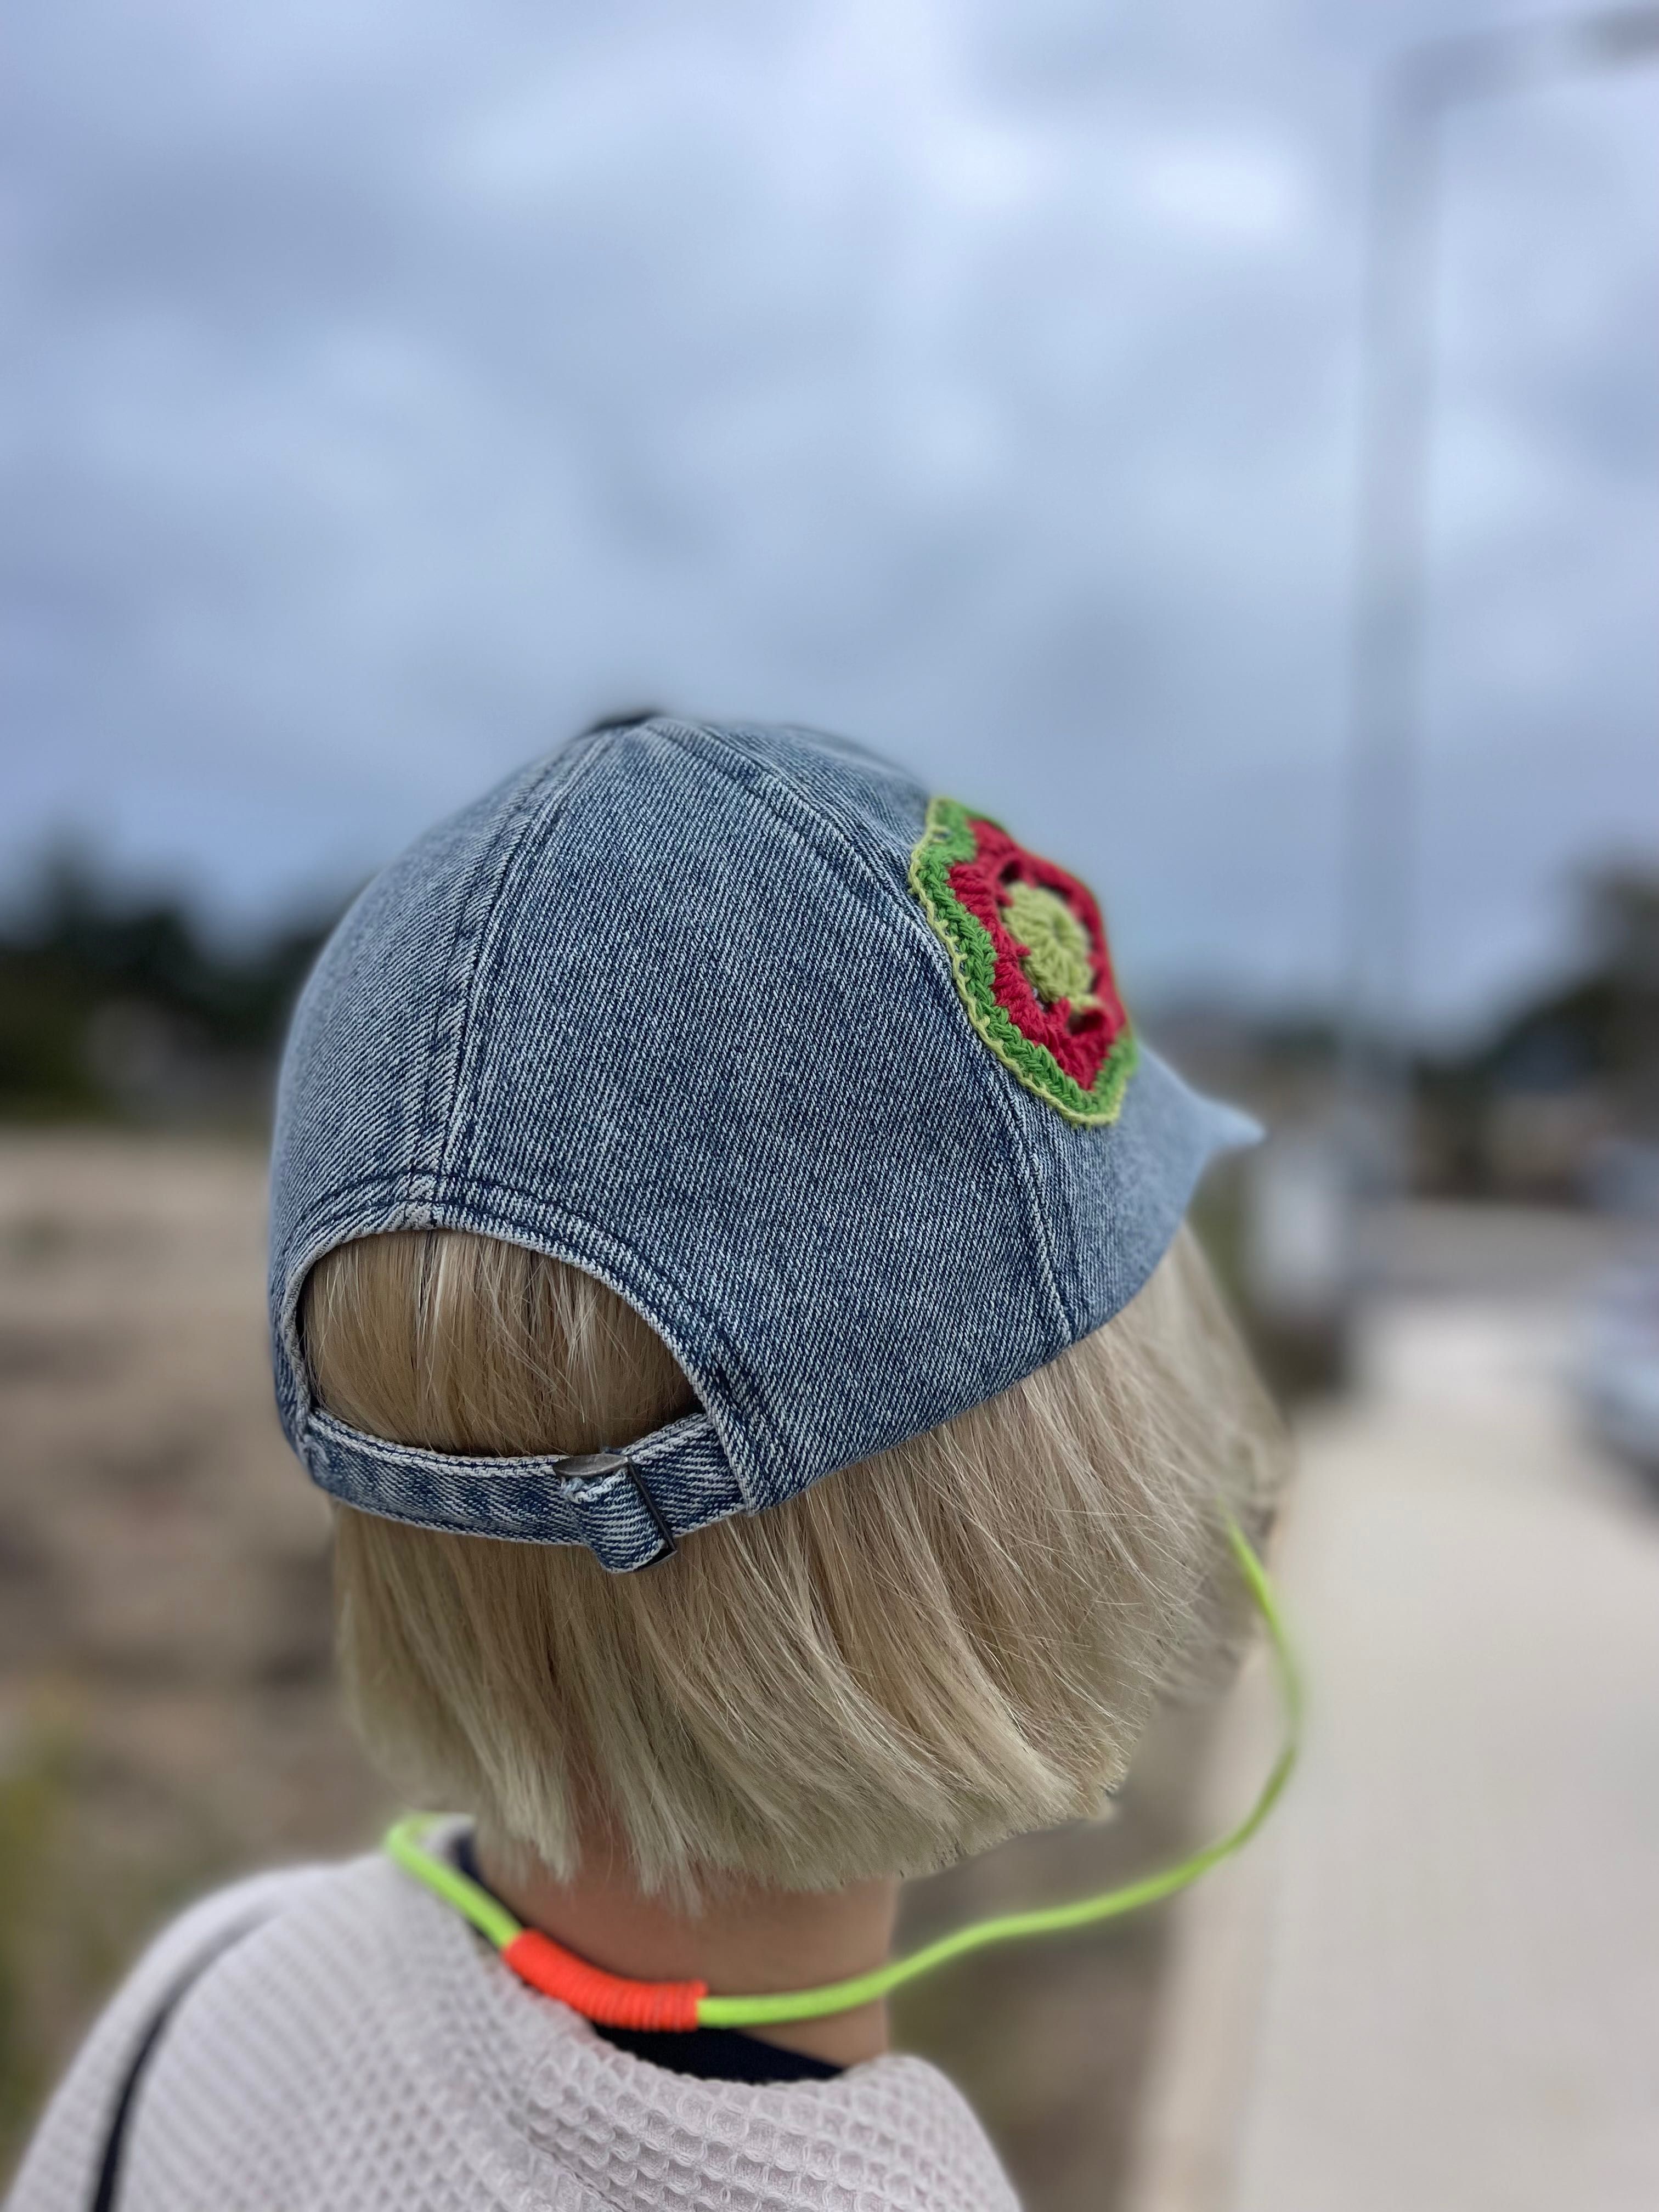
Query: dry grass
166	1713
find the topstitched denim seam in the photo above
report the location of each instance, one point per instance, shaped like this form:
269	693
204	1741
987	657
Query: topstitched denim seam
539	808
458	1144
517	1466
427	1136
894	916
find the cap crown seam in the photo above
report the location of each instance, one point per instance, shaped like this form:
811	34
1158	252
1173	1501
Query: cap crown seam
899	914
455	1019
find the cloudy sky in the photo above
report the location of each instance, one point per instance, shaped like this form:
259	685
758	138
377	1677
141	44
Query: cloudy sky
392	387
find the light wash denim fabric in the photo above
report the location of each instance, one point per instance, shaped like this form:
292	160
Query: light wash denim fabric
663	1005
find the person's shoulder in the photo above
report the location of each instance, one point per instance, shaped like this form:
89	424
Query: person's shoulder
319	1938
213	1921
61	2160
908	2132
186	1945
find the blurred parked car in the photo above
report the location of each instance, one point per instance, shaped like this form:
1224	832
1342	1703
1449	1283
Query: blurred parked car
1616	1376
1298	1258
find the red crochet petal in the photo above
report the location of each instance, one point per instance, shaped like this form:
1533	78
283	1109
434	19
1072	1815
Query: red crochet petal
1079	1037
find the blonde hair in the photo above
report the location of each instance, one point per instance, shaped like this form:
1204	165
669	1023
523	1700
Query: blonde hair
954	1642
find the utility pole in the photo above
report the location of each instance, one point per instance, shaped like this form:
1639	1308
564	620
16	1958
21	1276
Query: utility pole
1419	89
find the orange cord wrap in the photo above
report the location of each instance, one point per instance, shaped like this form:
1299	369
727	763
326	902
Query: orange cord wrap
610	1999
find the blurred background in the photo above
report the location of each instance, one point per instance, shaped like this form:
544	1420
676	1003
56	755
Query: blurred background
1223	442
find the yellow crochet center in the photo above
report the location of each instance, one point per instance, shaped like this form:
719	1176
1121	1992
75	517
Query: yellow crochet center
1058	963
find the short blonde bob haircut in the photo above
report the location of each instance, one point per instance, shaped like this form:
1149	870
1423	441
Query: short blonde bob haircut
955	1642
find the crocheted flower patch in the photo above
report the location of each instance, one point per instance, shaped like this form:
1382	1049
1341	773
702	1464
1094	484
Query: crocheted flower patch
1028	951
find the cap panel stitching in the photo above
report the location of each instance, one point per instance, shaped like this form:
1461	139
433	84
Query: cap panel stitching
449	1010
452	1021
537	835
901	916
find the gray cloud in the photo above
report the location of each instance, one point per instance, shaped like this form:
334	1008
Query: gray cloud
394	387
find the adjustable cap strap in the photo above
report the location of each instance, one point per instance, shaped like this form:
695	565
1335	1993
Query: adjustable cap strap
629	1506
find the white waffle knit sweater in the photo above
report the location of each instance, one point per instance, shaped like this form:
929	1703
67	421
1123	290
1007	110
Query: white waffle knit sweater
362	2049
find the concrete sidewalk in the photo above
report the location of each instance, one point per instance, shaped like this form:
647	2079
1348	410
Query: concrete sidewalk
1435	1984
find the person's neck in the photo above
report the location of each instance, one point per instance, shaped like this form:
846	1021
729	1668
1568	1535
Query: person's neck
746	1939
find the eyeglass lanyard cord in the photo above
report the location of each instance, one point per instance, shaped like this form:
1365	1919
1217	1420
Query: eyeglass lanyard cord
616	2001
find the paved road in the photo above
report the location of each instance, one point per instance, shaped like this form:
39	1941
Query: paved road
1438	1986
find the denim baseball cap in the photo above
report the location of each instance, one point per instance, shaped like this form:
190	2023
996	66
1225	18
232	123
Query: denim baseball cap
829	1079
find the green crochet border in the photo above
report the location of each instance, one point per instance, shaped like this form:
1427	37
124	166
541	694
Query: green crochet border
947	840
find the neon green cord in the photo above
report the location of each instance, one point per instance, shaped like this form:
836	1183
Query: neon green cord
1051	1920
404	1844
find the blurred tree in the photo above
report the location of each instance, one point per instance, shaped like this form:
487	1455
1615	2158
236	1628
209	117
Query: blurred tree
113	1006
1593	1039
